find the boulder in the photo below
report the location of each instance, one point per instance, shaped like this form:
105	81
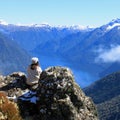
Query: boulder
13	85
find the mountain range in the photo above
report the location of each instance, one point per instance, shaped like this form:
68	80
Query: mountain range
106	95
12	56
91	53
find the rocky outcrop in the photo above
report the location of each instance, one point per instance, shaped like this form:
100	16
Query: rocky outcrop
13	85
56	97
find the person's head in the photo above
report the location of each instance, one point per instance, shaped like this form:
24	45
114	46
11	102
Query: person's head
34	62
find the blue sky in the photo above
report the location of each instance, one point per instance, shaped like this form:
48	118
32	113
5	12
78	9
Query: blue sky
60	12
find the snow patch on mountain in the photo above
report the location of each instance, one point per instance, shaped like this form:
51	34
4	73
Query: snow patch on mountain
48	26
111	27
73	27
3	22
112	24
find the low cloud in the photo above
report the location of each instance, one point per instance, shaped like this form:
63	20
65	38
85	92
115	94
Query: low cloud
109	55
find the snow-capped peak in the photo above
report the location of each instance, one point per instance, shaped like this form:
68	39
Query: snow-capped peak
113	23
80	27
46	25
75	27
3	22
41	25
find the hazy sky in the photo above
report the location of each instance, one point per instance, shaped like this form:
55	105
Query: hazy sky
60	12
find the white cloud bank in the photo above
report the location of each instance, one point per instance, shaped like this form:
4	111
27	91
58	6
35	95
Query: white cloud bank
109	55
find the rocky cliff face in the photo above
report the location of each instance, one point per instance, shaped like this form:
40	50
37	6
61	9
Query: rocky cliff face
56	97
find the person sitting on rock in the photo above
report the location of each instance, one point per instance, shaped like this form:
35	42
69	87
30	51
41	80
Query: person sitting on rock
33	72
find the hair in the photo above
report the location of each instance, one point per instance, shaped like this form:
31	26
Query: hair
31	66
